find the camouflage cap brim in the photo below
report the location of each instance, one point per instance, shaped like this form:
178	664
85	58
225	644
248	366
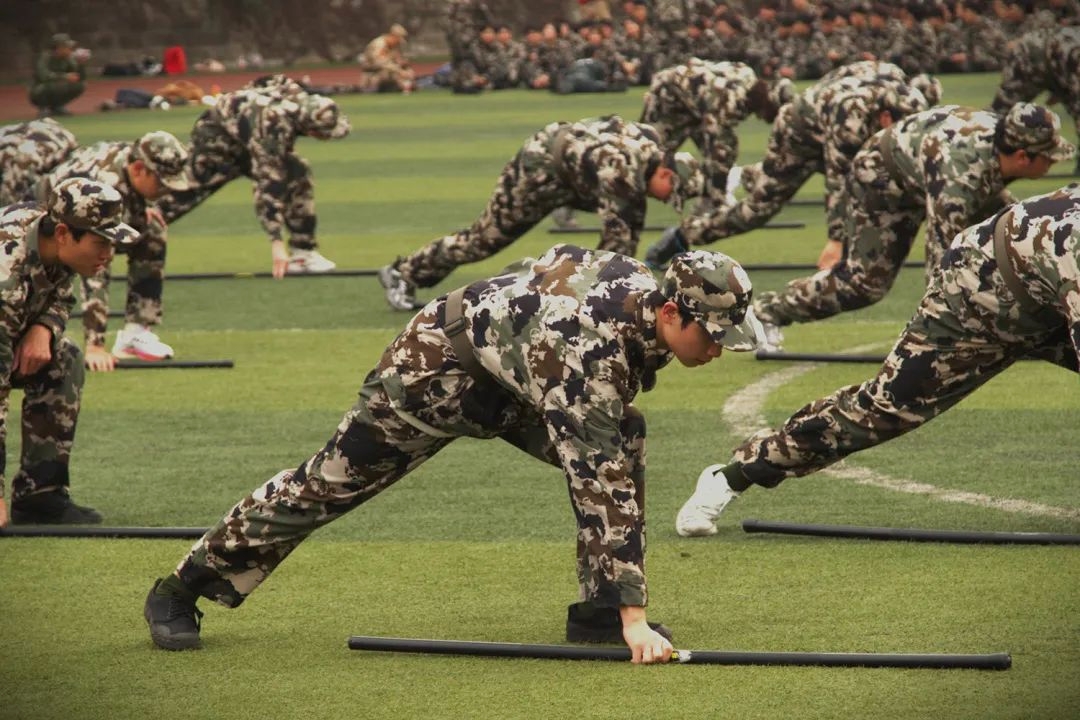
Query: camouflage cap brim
738	338
1063	150
179	182
119	233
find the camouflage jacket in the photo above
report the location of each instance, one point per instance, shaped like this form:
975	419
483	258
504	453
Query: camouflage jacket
839	113
602	165
31	293
464	20
107	163
378	55
947	156
255	128
50	68
572	338
703	96
1043	243
28	150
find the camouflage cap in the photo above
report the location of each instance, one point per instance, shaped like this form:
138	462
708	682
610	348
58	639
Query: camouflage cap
87	205
929	86
63	40
716	290
321	117
1037	130
902	100
781	92
688	181
166	157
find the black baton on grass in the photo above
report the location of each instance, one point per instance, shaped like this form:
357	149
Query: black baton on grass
995	661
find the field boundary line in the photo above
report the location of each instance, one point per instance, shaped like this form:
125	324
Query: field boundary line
743	411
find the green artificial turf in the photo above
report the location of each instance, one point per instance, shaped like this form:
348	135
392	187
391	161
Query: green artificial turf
479	543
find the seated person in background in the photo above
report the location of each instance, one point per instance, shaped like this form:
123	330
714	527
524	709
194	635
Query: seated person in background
384	64
59	76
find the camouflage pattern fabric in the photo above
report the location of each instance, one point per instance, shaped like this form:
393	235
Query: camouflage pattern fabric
819	132
561	391
107	162
33	293
27	151
600	165
51	88
252	133
385	66
704	102
464	20
968	328
945	169
1042	61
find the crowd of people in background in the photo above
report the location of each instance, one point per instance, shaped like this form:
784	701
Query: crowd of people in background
799	39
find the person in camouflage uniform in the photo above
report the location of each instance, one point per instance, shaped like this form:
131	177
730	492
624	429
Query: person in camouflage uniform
141	172
1044	60
59	77
384	64
252	132
819	131
991	303
44	246
27	151
499	358
464	19
704	102
481	67
608	165
949	166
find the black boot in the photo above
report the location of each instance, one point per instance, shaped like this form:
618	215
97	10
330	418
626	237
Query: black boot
588	623
661	252
54	507
172	616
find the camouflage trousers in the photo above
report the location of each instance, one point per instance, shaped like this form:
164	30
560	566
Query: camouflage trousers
881	223
388	78
935	364
793	155
718	149
528	189
145	285
50	411
286	202
400	420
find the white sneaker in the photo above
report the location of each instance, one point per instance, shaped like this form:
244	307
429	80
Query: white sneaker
697	516
773	340
309	261
139	341
400	294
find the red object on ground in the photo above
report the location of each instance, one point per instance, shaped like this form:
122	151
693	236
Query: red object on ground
175	60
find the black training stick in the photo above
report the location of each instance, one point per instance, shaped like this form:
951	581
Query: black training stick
996	661
818	357
250	275
128	364
93	531
911	534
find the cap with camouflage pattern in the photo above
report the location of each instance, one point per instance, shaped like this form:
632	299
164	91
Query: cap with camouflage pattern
716	290
1037	130
781	92
929	86
689	182
166	157
902	100
321	117
87	205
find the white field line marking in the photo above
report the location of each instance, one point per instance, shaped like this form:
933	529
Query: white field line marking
743	411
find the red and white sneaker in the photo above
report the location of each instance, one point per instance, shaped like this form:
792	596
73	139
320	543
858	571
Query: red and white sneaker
309	261
139	341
